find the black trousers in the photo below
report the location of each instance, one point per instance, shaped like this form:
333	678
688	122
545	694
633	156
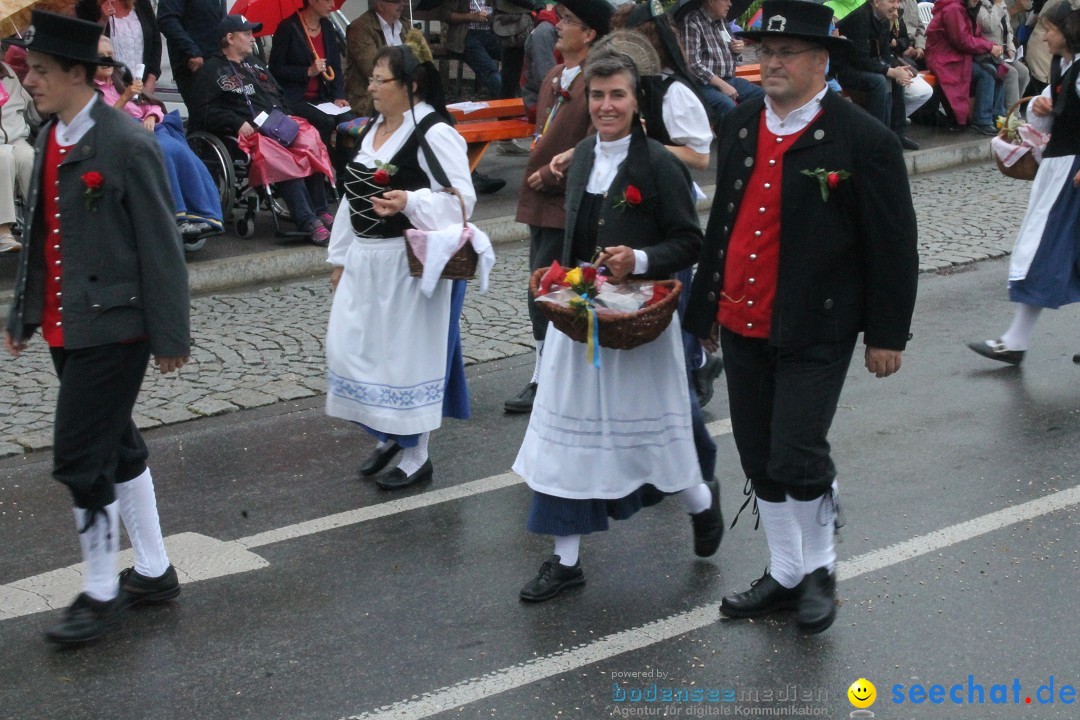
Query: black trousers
545	247
95	441
782	405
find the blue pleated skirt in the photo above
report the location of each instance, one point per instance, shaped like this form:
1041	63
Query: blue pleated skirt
551	515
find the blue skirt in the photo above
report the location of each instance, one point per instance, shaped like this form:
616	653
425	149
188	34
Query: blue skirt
551	515
456	397
1053	279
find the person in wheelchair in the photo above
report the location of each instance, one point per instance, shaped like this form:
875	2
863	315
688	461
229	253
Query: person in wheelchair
198	207
230	90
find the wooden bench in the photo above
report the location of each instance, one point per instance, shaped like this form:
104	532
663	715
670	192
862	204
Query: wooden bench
490	121
752	73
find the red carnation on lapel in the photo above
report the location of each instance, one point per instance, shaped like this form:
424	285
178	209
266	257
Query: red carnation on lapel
833	180
93	179
381	177
633	195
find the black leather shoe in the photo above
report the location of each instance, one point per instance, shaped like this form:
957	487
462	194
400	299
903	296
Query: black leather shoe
552	579
141	589
907	143
708	524
985	129
764	596
817	602
523	401
397	479
379	459
704	377
86	619
485	185
998	352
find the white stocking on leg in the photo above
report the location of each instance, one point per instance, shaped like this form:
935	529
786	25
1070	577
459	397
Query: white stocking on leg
695	499
816	522
412	459
138	509
567	548
785	542
100	544
1018	336
539	355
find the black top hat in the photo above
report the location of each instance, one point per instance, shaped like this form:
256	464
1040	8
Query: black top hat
65	37
594	13
798	19
236	23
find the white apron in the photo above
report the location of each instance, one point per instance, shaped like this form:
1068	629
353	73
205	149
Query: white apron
602	434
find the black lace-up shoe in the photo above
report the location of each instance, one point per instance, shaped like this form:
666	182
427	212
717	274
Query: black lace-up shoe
86	619
817	603
141	589
552	579
708	524
523	401
705	376
765	596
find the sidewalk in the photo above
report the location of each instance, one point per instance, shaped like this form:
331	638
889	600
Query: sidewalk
228	262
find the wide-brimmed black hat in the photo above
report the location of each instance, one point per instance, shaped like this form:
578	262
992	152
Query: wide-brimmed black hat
594	13
798	19
65	37
236	23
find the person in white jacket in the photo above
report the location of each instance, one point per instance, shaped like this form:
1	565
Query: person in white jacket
17	114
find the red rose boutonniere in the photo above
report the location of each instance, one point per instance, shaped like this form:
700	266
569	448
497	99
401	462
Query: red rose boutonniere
827	179
382	175
631	197
93	181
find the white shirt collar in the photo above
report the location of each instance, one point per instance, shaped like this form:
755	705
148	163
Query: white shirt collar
392	33
69	134
607	156
796	120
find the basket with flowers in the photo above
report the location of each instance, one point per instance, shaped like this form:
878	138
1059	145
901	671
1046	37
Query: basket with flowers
591	308
1017	149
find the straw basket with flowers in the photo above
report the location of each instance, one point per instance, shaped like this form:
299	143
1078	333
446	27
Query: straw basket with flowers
1018	147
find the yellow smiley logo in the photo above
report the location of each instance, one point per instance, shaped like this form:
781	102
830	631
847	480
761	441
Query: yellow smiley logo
862	693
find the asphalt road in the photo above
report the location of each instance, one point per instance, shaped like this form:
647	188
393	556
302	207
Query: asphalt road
959	558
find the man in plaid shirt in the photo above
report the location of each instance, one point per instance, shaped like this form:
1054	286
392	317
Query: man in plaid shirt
711	51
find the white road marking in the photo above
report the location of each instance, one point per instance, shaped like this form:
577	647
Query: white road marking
197	557
515	676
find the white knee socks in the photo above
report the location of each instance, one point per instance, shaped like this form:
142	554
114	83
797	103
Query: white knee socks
567	547
815	519
100	543
539	354
412	459
1019	333
785	542
695	499
138	508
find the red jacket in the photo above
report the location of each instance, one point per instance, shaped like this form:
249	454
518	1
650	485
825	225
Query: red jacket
953	38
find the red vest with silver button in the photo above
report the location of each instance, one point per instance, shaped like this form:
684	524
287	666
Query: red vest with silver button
753	255
52	313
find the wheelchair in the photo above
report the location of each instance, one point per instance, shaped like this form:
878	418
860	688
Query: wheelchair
228	167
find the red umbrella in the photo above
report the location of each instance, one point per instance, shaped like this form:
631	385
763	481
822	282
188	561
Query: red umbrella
270	12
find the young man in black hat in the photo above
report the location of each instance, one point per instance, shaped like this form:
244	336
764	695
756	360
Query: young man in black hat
811	240
108	288
562	120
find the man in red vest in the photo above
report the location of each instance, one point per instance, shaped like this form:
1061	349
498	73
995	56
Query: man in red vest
811	240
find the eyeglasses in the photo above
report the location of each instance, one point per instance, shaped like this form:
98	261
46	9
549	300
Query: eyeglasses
783	55
379	81
563	20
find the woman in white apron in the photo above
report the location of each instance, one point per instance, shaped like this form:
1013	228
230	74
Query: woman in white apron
605	442
393	354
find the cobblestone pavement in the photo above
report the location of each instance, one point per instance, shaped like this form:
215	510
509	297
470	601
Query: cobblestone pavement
255	348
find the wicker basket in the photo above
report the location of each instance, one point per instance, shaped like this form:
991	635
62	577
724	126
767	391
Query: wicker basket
618	331
461	265
1024	168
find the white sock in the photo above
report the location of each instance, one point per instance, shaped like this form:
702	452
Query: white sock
785	542
695	499
100	544
1018	335
138	509
815	519
567	547
539	355
412	459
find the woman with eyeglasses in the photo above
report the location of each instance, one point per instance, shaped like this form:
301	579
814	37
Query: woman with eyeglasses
198	205
393	354
605	442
